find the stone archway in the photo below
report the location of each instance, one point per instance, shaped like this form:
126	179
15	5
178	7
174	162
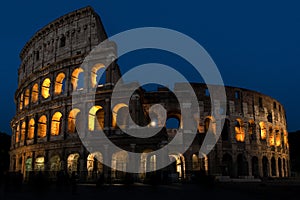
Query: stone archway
265	163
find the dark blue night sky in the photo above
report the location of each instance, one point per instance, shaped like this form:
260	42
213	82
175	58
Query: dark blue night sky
255	44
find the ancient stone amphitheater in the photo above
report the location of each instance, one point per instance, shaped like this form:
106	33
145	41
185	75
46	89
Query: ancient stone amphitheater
253	141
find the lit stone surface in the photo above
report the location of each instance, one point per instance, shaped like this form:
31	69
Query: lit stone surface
253	142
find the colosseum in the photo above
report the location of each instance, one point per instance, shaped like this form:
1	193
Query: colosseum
252	144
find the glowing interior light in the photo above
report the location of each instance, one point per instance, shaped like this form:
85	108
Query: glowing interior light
153	123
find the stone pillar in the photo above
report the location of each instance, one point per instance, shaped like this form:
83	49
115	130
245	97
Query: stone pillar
107	116
106	169
188	165
49	119
36	125
134	163
65	123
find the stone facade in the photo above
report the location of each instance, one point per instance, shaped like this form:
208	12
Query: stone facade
253	142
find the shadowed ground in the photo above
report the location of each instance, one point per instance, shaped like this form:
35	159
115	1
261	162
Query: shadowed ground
265	190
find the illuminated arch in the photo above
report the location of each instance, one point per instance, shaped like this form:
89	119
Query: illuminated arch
56	124
195	163
21	101
209	125
59	84
72	163
263	130
28	166
178	164
239	131
39	163
72	120
76	81
94	74
31	129
94	164
96	118
119	118
148	162
26	97
119	164
277	137
42	127
17	134
35	93
55	163
158	116
23	130
251	130
46	88
271	136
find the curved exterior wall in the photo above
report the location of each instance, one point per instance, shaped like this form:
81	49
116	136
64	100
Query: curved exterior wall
253	141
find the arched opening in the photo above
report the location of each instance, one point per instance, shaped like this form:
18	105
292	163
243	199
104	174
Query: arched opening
273	166
46	88
284	168
255	167
72	120
39	163
27	96
21	101
227	165
242	165
195	163
94	165
251	130
279	167
263	131
55	163
55	166
148	163
23	131
178	165
28	167
271	136
77	79
73	164
204	163
120	116
62	42
119	164
56	124
96	118
17	133
265	163
226	130
172	123
98	75
31	129
200	164
239	131
42	127
35	93
278	138
59	87
209	127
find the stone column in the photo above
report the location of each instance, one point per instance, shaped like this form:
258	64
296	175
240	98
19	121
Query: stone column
106	169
